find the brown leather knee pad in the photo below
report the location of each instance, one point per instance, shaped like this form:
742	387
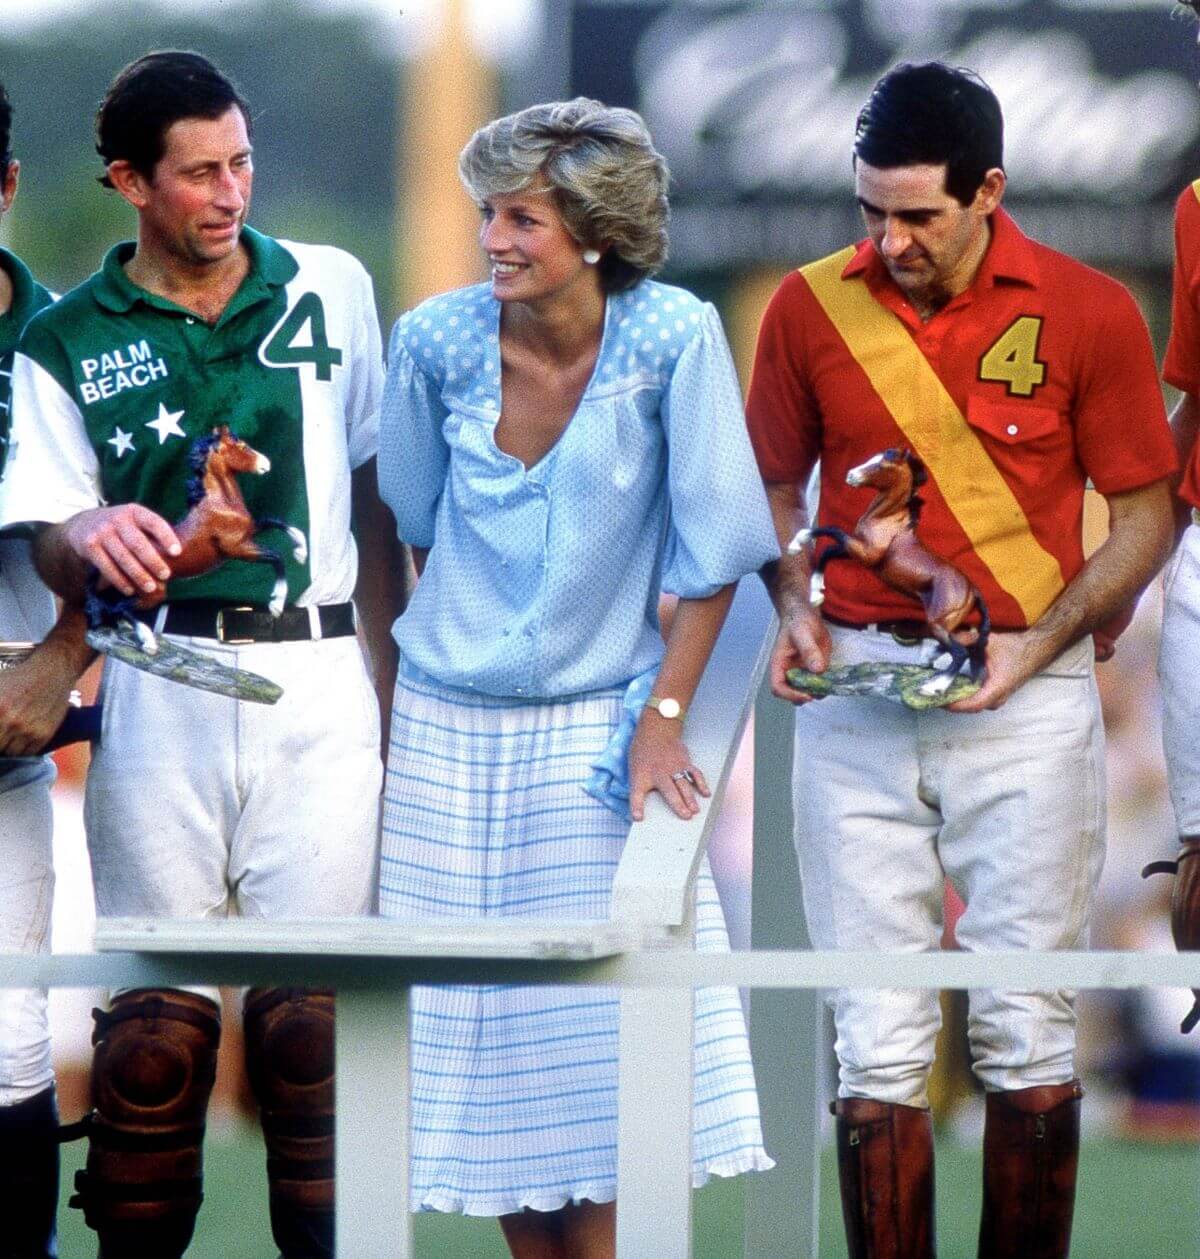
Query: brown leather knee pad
885	1169
289	1059
152	1073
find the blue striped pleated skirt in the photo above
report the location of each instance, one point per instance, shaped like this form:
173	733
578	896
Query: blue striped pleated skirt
515	1089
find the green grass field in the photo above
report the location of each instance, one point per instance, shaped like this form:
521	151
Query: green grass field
1135	1202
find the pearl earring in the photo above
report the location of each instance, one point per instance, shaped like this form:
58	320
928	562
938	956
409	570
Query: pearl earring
591	256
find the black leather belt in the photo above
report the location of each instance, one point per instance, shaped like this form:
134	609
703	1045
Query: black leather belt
243	623
907	633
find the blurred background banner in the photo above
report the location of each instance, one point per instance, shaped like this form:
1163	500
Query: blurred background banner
754	106
361	106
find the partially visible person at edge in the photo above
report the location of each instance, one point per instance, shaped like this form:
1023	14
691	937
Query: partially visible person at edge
1015	374
557	445
198	806
33	701
1179	648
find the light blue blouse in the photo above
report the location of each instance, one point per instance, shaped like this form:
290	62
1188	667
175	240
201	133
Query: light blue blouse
544	582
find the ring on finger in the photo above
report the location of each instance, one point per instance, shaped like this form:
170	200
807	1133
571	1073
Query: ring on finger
685	774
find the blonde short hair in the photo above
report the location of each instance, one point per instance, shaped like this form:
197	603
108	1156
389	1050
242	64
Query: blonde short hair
609	182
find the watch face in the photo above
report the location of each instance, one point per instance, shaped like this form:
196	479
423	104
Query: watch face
668	707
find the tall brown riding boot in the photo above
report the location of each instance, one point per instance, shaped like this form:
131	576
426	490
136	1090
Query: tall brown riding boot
885	1166
1030	1157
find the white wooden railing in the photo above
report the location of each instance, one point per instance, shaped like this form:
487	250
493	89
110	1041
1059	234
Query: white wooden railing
644	948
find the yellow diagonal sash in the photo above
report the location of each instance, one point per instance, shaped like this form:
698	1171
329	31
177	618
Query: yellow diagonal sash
972	487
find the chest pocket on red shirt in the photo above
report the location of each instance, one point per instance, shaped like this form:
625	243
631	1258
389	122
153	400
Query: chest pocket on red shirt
1013	423
1030	446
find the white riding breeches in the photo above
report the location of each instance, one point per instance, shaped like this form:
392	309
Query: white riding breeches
199	806
1008	805
1179	678
26	897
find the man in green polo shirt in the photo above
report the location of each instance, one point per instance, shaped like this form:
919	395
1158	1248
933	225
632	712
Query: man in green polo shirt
33	700
198	806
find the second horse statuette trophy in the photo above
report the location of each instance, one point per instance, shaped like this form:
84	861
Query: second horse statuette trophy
885	540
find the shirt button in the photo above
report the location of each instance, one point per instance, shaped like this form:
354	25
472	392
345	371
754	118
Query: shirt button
520	690
1011	430
504	563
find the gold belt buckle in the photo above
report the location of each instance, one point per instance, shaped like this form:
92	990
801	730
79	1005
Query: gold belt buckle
904	640
232	642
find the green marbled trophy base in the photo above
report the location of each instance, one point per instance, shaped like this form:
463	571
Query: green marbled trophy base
901	683
178	664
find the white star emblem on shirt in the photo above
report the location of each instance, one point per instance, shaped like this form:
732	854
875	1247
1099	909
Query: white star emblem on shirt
122	440
166	423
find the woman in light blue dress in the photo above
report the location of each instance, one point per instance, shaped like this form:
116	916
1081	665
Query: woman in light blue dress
558	446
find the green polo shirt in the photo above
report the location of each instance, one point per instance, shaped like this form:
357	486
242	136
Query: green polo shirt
28	298
26	607
123	382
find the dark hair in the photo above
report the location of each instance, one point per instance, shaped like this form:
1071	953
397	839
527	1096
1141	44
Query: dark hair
5	132
933	114
152	93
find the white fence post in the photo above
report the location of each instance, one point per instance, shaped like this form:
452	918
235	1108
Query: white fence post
654	892
654	1137
786	1027
373	1055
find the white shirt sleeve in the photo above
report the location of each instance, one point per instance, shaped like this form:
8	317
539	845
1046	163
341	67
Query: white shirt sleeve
365	385
52	471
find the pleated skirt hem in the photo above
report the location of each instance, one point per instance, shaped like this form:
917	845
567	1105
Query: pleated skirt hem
606	1191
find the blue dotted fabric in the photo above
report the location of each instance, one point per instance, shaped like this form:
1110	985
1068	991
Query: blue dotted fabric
544	581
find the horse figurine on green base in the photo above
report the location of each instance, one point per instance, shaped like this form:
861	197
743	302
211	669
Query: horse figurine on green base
218	527
885	540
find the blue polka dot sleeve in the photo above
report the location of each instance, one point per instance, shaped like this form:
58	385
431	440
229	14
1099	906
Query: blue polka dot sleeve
413	454
720	524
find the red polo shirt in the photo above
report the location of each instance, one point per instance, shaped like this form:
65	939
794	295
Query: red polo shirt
1036	378
1181	367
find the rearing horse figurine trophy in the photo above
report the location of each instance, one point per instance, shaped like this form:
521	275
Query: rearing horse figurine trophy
885	540
218	526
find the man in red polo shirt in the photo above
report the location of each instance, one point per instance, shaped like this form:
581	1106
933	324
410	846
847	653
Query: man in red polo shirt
1181	610
1016	375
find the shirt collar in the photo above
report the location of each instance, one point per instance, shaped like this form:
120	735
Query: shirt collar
271	267
1009	257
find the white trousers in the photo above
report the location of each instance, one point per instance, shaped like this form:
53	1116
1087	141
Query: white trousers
1008	805
26	895
1179	678
199	806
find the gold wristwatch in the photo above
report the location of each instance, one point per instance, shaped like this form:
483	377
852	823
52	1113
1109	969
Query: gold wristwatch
666	706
